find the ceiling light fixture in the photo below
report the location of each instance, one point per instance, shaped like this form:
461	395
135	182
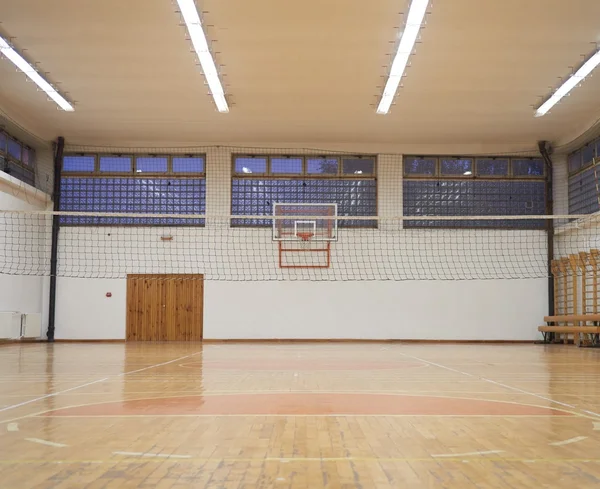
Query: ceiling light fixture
416	15
10	54
194	26
569	85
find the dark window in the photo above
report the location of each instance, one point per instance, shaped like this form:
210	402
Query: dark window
115	164
458	167
574	161
358	166
583	193
151	164
188	164
528	167
588	154
322	166
20	172
79	163
14	149
419	166
492	167
132	195
2	142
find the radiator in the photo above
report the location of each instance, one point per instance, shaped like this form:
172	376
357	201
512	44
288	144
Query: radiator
15	325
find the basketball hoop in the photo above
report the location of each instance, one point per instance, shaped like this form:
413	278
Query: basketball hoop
305	236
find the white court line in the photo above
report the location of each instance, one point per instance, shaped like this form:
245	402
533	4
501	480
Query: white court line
568	442
54	394
12	427
151	455
468	454
47	443
500	384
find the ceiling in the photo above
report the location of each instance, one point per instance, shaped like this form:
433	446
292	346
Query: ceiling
300	72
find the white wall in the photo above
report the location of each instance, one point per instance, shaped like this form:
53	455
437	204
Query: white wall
383	284
21	237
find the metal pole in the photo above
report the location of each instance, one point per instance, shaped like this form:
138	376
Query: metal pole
545	151
59	147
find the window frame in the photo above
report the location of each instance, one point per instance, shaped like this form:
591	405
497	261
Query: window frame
268	175
96	174
475	168
28	168
133	172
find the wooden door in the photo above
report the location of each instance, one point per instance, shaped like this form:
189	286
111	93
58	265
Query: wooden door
164	307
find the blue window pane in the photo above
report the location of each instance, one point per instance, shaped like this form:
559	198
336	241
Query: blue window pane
322	166
574	161
2	142
257	196
286	165
249	165
419	166
452	166
14	149
474	198
358	166
115	164
133	195
81	163
583	194
587	154
528	167
492	167
151	164
188	164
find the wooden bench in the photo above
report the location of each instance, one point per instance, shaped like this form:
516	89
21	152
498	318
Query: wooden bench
575	328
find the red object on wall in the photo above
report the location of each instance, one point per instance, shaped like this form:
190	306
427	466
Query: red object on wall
109	294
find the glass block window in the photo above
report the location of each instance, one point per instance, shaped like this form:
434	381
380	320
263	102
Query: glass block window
347	181
188	164
116	164
574	161
132	195
257	196
474	198
453	166
583	194
151	164
492	167
79	163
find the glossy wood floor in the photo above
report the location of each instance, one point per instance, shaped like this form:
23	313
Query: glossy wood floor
326	415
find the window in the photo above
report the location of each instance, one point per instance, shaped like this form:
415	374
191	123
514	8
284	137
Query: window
473	187
17	159
152	185
258	182
583	179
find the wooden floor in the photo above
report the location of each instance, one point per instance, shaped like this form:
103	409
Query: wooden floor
327	415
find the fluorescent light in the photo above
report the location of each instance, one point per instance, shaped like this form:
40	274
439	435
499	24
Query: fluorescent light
246	170
194	26
358	172
10	54
569	85
416	15
468	172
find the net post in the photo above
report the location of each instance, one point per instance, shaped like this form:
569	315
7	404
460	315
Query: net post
545	150
58	160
